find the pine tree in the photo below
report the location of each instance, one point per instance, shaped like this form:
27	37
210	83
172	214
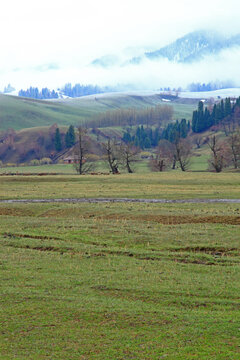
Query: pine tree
227	109
218	114
200	117
127	137
194	120
70	137
156	137
213	114
206	123
147	143
222	109
200	107
183	128
238	101
57	140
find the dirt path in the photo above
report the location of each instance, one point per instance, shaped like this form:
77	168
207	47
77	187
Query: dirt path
121	200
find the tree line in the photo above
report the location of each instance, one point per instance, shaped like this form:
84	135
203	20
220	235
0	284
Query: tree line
222	112
148	137
171	144
156	115
211	86
35	93
168	154
79	90
68	89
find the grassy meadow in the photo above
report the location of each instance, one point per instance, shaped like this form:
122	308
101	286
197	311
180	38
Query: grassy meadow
120	280
166	185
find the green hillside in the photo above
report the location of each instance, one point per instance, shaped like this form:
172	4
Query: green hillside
19	113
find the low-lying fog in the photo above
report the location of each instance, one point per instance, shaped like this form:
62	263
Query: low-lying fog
149	74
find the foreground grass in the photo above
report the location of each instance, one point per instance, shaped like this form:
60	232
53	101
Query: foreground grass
119	281
99	166
169	185
47	169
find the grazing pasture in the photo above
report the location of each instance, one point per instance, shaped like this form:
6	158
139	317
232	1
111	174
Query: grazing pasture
120	280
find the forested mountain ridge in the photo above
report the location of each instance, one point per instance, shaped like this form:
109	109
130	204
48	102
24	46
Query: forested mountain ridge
194	46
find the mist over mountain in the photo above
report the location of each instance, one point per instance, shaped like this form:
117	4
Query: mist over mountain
106	61
190	48
194	46
198	57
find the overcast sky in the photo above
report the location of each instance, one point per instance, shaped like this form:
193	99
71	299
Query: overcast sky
70	34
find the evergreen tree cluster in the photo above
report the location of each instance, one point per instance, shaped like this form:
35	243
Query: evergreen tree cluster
80	90
144	138
176	130
203	118
8	89
35	93
148	137
61	142
198	87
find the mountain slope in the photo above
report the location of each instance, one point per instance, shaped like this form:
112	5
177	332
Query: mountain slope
190	48
194	46
106	61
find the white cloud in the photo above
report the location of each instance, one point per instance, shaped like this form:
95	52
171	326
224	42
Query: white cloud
72	33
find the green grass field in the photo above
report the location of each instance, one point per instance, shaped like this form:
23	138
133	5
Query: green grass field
19	113
99	166
166	185
120	280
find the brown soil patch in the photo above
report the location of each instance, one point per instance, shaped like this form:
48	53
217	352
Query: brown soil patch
40	248
26	236
161	219
14	212
196	261
215	251
179	219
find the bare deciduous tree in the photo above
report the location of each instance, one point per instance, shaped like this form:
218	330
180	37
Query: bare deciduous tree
218	157
233	142
232	132
198	141
81	151
182	153
111	153
163	156
128	156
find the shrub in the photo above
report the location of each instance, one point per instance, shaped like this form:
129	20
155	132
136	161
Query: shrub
93	157
45	161
145	154
34	162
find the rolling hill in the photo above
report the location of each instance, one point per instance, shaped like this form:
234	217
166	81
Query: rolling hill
19	113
